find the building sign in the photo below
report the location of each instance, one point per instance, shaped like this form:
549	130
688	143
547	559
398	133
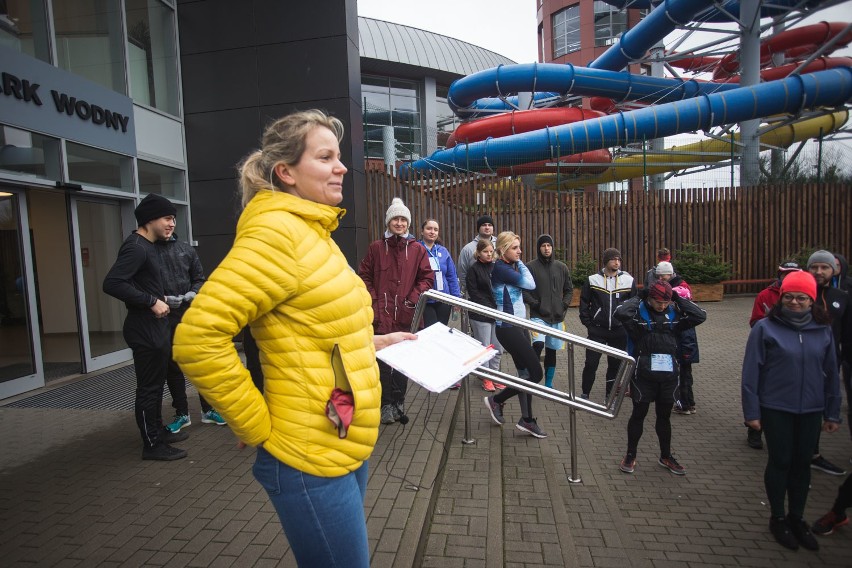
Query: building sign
43	98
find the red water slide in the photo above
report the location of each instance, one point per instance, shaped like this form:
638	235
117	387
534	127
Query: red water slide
795	44
517	122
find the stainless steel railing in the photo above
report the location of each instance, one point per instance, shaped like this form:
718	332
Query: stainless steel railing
611	405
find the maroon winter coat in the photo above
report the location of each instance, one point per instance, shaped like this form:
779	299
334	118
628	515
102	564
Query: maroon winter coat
396	271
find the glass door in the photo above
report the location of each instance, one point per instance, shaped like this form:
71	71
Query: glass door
99	232
20	357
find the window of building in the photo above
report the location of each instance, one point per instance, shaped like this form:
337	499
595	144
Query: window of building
391	116
152	54
447	121
162	180
91	166
29	154
566	31
90	41
610	23
23	27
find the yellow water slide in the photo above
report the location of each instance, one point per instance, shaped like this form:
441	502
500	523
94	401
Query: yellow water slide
706	151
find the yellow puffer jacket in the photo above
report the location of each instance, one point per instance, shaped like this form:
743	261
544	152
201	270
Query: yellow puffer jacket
287	277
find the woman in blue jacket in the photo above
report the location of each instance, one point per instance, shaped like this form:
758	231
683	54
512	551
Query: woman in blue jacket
790	387
446	279
509	278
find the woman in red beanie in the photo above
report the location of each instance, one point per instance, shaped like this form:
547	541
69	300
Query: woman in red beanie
790	389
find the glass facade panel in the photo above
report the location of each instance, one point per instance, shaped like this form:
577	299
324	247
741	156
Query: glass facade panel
610	23
395	103
90	41
28	153
566	31
91	166
162	180
16	357
23	27
152	54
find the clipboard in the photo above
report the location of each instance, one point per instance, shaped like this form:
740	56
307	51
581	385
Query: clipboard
439	358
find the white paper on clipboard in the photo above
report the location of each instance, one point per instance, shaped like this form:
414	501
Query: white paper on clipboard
439	358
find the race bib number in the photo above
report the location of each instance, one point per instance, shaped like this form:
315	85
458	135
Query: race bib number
662	362
433	262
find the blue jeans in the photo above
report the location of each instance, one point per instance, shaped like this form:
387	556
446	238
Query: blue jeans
323	517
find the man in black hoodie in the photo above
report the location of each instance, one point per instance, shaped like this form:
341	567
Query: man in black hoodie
136	279
836	303
548	302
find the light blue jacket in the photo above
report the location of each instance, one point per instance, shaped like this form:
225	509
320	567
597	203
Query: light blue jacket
508	281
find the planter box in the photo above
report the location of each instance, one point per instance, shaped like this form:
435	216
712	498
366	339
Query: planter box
707	292
575	298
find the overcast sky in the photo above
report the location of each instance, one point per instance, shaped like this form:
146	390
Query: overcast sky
507	27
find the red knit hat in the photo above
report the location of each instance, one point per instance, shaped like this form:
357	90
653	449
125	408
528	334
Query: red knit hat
801	281
660	291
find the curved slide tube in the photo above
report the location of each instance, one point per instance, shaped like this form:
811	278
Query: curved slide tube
791	95
465	93
680	157
713	14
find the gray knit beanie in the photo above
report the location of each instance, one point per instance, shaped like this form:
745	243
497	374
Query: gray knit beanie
397	209
821	256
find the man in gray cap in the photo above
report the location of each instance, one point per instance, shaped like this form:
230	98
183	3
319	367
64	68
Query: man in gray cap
136	279
836	302
484	230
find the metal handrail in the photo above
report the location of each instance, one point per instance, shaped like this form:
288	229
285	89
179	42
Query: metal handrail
607	410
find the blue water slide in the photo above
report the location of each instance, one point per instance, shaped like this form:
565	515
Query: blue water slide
832	88
728	9
635	42
566	78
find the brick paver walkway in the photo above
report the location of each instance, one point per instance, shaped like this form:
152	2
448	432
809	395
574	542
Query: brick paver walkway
73	491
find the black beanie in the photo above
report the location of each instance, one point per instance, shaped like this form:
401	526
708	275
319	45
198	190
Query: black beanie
482	220
544	239
611	253
153	207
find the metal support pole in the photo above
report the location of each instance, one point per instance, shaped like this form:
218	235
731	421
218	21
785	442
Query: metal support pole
468	435
572	418
750	75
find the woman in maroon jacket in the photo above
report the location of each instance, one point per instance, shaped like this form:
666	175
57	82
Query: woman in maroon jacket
396	271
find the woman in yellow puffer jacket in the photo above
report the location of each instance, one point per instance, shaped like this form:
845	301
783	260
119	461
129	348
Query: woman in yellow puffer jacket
311	316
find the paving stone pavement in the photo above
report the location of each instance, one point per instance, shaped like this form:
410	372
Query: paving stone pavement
73	491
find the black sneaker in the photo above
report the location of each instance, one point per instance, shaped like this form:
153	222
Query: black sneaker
802	532
783	535
755	439
531	427
495	409
162	452
172	437
826	466
828	523
670	463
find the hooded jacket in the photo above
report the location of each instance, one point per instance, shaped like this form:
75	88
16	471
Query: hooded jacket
790	370
286	277
396	271
553	288
767	298
601	296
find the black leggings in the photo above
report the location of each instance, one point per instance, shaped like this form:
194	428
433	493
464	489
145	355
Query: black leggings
516	343
436	312
549	354
663	426
790	439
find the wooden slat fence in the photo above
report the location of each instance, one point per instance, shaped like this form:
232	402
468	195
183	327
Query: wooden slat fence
753	228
